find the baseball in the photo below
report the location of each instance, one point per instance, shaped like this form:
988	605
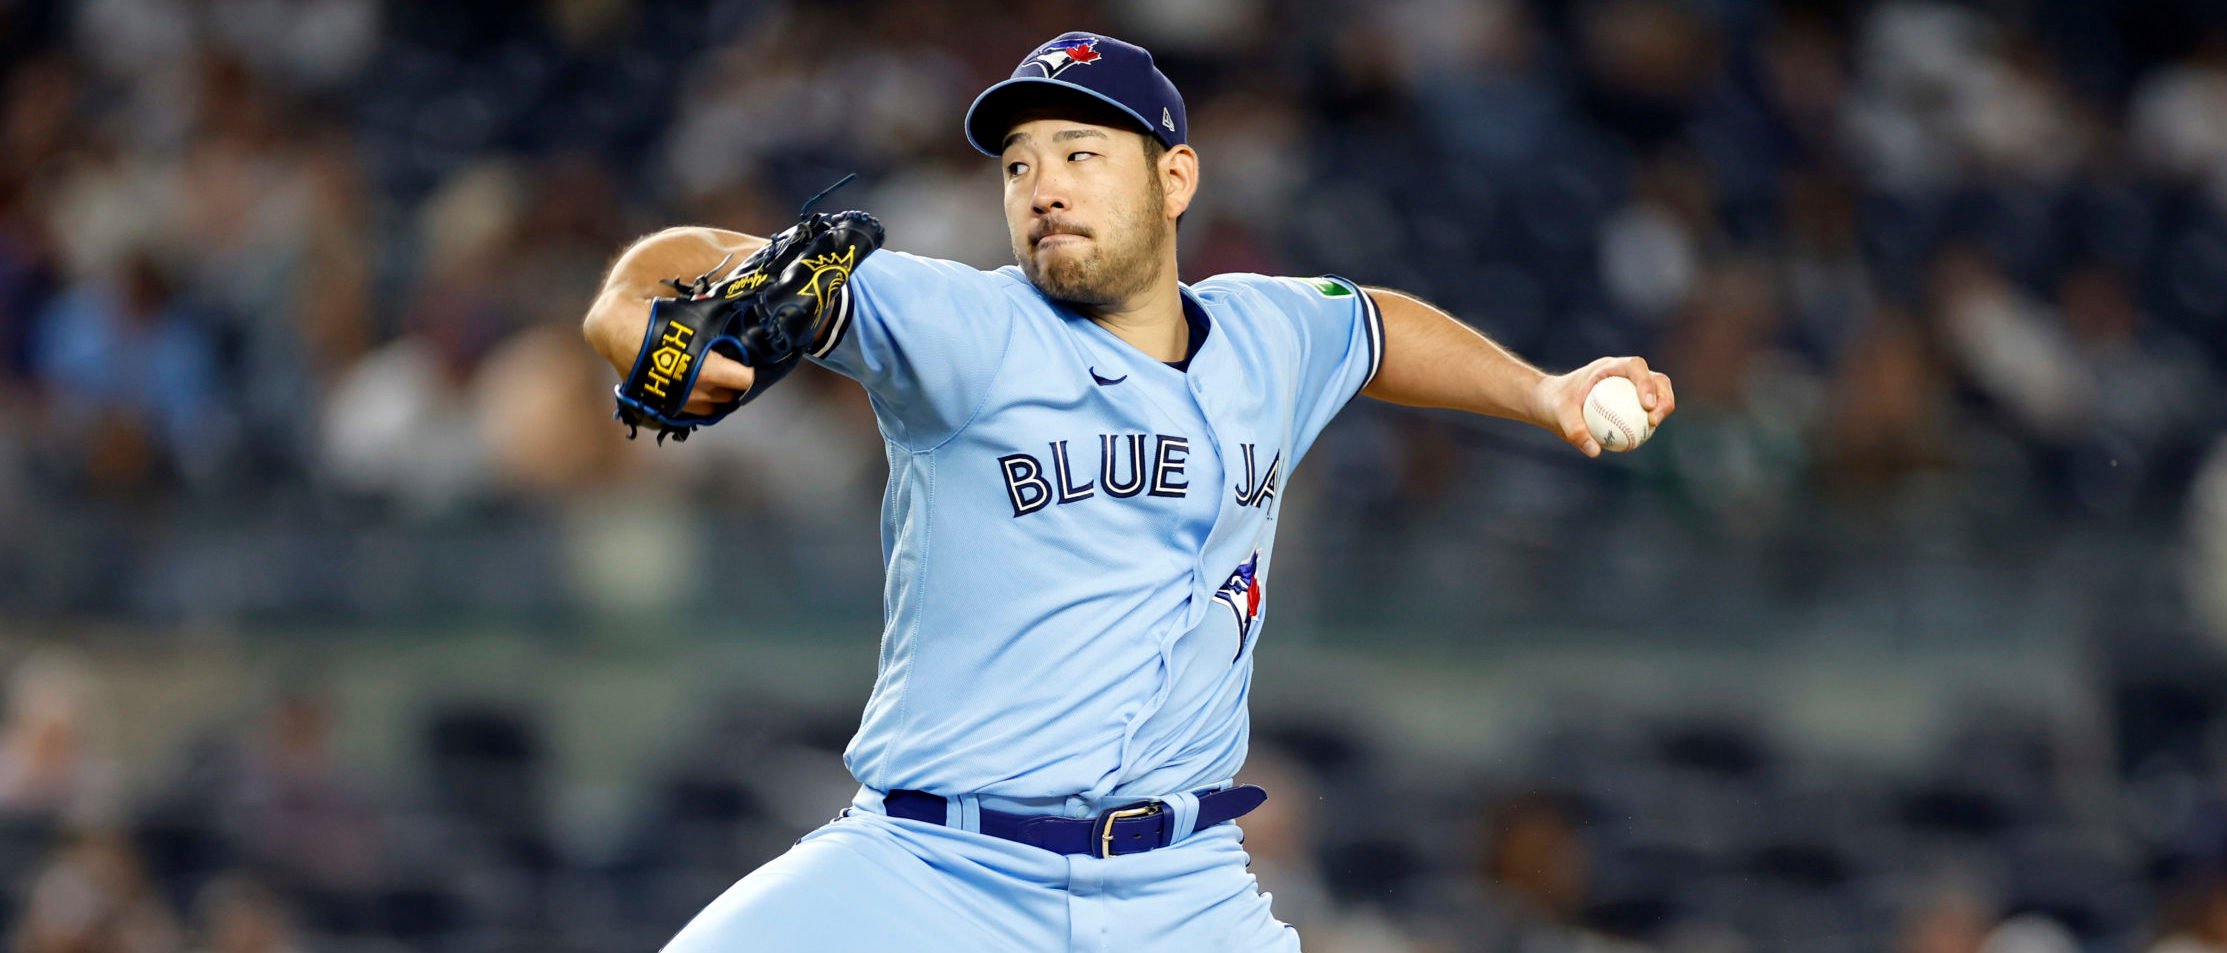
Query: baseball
1613	413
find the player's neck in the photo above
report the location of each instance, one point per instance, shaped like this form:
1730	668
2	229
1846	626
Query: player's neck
1152	320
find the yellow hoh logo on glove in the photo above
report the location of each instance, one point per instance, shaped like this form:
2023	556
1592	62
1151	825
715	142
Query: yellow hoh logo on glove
670	361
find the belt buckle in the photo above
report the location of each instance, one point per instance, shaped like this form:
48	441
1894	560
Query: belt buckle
1106	823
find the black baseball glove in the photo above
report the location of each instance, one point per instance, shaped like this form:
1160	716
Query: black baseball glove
785	301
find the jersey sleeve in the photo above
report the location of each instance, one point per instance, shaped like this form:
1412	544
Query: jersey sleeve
924	336
1341	344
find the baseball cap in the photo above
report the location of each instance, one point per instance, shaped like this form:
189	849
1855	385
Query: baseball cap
1101	67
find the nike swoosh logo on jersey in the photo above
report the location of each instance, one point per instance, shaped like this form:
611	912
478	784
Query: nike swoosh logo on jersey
1106	381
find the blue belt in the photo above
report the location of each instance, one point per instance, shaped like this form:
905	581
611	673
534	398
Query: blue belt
1146	825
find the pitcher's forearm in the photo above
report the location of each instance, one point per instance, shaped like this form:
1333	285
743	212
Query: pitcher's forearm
1432	359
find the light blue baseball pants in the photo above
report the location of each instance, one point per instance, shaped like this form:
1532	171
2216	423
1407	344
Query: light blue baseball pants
869	883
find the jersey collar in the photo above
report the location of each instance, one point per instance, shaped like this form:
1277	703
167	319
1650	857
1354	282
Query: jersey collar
1194	314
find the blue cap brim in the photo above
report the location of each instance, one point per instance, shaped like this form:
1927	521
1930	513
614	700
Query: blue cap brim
983	113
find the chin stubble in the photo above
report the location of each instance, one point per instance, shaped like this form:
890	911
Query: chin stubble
1102	275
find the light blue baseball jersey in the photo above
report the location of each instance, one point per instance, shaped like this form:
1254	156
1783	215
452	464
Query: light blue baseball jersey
1078	538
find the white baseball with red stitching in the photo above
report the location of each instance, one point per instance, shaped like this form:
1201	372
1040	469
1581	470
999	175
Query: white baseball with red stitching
1613	413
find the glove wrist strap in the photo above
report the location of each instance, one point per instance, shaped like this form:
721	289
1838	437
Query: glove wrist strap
665	369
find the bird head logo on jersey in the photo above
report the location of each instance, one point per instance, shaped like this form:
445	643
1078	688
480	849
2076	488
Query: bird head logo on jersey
1242	593
1061	54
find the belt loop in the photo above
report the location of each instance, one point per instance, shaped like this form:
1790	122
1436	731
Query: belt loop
966	813
1183	815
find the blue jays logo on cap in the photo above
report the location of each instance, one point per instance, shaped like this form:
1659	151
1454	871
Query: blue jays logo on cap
1087	65
1061	54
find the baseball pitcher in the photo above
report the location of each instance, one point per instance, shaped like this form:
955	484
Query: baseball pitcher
1086	458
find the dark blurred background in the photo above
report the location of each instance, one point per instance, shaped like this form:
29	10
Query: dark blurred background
335	613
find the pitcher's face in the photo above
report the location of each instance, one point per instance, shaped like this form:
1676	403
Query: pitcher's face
1086	210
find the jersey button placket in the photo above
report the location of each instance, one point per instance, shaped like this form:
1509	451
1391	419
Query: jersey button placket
1204	583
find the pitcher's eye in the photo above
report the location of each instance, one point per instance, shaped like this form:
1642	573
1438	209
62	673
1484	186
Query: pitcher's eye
1013	169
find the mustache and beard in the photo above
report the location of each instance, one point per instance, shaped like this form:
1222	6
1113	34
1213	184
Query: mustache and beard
1107	270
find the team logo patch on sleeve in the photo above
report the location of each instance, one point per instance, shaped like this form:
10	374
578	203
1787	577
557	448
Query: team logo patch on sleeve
1242	593
1333	289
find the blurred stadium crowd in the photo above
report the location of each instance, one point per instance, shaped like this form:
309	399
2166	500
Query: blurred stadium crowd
288	292
1614	828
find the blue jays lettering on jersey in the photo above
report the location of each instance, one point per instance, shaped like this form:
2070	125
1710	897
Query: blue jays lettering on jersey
1078	537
